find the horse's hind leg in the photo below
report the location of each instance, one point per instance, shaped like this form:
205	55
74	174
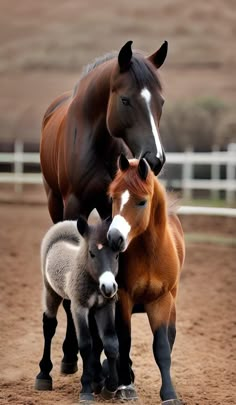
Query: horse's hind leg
55	204
70	344
159	314
44	380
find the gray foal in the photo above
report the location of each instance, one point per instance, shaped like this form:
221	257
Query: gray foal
78	265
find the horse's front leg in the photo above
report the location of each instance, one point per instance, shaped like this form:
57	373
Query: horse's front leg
105	318
124	308
80	316
159	317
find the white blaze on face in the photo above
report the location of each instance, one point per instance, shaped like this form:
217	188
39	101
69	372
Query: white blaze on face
119	222
124	199
121	225
145	93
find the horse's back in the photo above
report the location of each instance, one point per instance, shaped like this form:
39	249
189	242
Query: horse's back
61	100
62	231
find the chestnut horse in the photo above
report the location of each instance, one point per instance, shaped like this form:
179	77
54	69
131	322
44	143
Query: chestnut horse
153	244
115	108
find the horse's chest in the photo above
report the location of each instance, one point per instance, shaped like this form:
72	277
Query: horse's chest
143	287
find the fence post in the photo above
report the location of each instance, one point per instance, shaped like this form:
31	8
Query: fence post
187	174
18	163
230	172
215	175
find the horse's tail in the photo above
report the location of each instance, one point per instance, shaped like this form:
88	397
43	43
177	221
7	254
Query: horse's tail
62	231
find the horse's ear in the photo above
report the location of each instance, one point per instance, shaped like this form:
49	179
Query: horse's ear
158	58
125	56
82	226
123	163
143	169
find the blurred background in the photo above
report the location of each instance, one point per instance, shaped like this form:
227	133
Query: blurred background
44	45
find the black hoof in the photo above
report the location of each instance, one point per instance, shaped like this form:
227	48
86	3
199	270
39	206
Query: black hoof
42	384
98	386
127	392
86	397
172	402
106	395
69	368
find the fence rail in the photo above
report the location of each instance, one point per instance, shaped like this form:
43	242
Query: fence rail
187	160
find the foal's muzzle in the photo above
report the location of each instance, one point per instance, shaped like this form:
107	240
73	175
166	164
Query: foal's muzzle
107	284
155	162
108	291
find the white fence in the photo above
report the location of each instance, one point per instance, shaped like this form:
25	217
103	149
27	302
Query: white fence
187	160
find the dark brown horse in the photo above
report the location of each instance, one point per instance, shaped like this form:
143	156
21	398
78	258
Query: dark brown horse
153	244
116	107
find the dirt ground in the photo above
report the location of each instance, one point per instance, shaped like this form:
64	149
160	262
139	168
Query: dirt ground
204	356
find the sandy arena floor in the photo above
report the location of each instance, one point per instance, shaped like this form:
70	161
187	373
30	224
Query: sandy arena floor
204	356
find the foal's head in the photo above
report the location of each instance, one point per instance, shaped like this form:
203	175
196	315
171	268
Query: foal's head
102	260
132	193
135	103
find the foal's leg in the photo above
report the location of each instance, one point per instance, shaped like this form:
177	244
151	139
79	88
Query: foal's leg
98	377
159	314
70	344
105	318
124	307
44	380
80	317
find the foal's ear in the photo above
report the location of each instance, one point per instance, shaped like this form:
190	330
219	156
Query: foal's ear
124	57
123	163
158	58
143	169
82	226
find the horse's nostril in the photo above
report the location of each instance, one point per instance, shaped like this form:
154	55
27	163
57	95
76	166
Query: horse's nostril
120	241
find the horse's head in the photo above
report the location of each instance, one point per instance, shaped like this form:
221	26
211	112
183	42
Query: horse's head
132	193
135	104
102	260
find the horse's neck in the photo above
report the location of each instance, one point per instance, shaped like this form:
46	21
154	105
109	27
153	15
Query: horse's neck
159	216
94	89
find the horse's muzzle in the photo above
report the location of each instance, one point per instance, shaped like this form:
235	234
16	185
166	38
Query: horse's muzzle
109	290
116	240
155	162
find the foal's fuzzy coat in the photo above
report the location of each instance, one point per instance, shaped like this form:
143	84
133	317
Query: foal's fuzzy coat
78	265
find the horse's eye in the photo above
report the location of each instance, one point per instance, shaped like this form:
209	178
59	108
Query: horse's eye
91	254
142	203
125	100
117	257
